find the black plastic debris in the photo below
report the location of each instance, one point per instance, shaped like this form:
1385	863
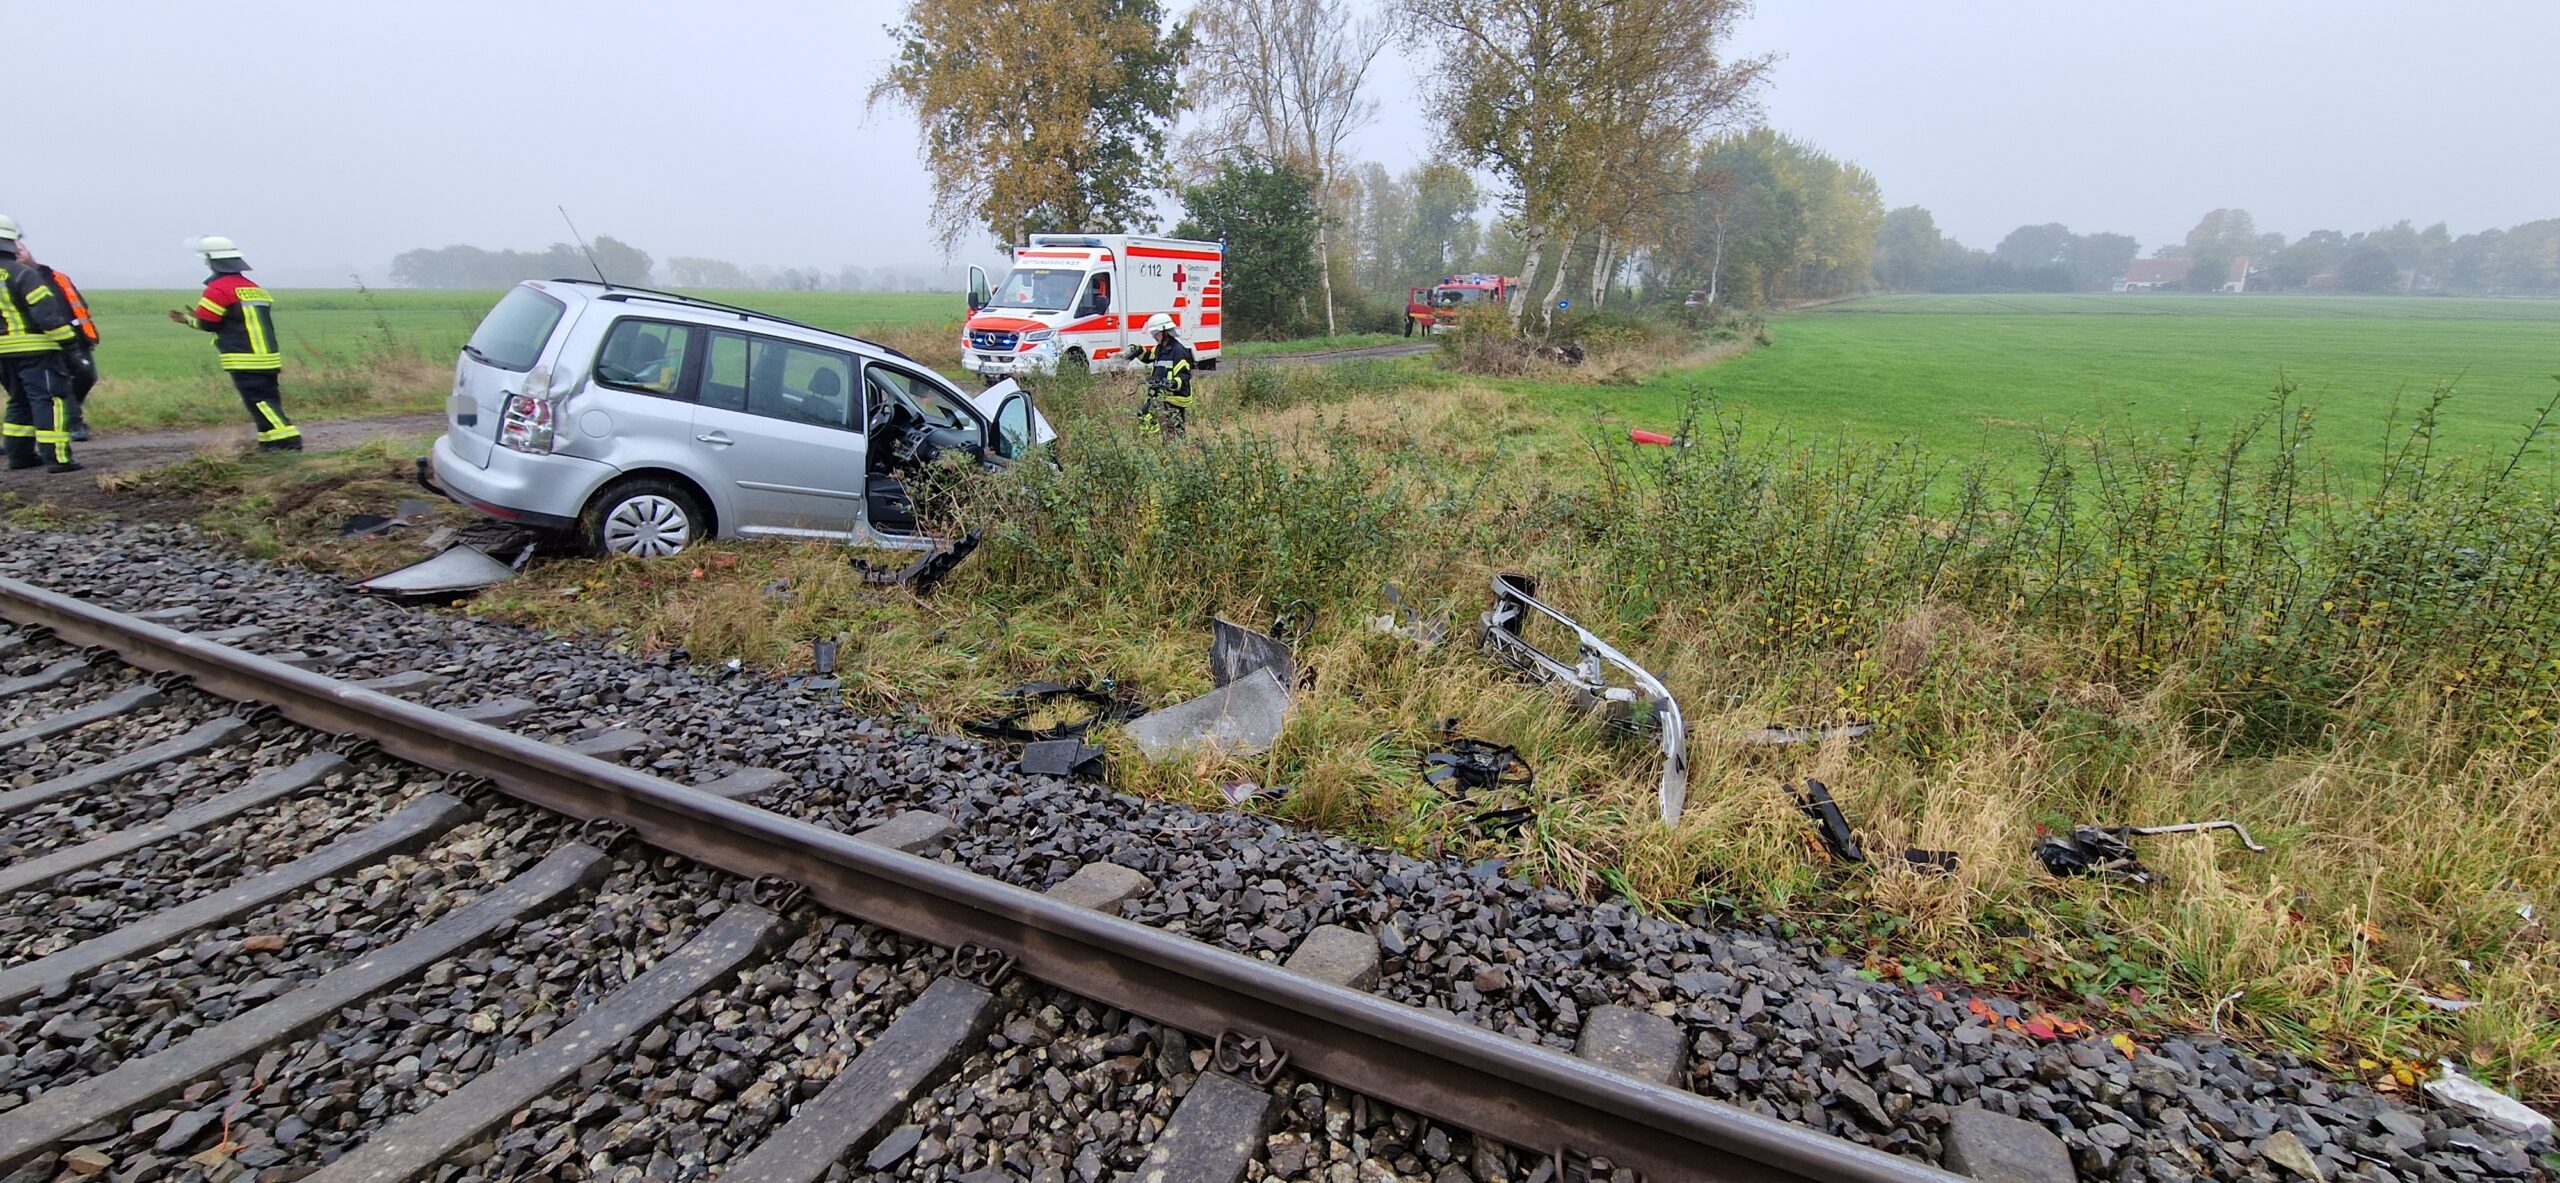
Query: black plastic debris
1781	736
923	574
410	513
1293	620
1235	651
1060	757
822	666
2108	850
1832	827
1035	698
1829	824
2091	850
1464	767
1931	862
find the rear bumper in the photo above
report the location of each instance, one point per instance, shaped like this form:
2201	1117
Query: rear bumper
539	492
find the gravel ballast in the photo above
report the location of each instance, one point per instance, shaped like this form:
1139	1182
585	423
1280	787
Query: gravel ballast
87	903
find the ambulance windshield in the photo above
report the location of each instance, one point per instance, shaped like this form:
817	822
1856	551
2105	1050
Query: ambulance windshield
1039	289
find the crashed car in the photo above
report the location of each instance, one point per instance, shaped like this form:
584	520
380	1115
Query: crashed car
639	422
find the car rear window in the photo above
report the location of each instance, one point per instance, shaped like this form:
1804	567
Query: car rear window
511	336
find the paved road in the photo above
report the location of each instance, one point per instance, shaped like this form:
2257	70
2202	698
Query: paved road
1399	349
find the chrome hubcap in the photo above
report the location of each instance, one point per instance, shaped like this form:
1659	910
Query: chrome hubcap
647	527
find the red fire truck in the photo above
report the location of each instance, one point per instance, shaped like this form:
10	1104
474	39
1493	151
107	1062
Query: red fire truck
1437	307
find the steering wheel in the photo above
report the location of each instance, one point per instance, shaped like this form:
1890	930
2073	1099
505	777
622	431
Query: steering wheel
885	412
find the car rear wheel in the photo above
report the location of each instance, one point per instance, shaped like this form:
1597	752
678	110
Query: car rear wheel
645	519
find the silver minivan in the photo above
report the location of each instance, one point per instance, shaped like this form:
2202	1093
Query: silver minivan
641	421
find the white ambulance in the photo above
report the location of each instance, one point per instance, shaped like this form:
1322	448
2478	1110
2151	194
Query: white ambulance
1080	299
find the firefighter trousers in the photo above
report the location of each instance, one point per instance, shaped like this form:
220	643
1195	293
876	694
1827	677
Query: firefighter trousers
37	427
262	391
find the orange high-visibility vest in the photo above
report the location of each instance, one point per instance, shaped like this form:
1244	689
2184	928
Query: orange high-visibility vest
81	322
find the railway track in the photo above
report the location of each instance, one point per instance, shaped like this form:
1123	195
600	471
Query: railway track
460	947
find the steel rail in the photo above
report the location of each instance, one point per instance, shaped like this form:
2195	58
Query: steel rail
1490	1084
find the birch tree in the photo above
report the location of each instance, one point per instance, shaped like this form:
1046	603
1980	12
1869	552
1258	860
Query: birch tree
1288	78
1584	108
1038	114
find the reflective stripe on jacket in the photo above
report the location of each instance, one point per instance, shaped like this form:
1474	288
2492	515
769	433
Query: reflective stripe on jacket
83	325
241	317
32	318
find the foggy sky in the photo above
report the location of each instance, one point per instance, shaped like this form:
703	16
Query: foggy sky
328	136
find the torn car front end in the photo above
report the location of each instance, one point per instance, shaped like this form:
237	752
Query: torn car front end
1642	704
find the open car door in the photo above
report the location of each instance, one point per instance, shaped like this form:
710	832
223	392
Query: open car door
980	294
1019	426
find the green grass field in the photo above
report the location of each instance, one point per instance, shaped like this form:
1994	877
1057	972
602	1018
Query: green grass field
380	352
1964	375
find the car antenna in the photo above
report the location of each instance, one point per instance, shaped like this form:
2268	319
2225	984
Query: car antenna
582	246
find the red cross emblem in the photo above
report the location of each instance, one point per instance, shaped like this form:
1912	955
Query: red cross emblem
1178	278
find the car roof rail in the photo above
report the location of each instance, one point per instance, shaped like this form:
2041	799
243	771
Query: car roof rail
624	292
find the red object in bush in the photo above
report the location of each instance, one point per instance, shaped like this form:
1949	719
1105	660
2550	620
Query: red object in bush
1655	438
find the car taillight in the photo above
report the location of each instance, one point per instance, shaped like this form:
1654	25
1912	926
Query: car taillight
526	425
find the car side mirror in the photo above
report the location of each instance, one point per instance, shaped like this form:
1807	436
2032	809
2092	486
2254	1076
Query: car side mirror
976	301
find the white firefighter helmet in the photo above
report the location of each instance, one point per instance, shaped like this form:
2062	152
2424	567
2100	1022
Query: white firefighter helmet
214	246
8	228
1159	323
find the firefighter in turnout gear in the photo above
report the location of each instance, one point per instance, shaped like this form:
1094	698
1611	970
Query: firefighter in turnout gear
34	323
1168	405
241	317
79	354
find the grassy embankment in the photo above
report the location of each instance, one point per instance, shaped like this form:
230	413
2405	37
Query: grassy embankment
2327	617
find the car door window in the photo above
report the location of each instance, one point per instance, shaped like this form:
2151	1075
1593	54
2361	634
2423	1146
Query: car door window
1013	427
724	373
643	355
940	408
799	383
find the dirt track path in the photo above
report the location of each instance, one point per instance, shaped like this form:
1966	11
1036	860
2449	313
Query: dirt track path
118	451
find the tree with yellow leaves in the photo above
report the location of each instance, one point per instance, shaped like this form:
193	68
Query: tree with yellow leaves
1038	115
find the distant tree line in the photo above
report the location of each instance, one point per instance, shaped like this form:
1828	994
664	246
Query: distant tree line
475	267
2524	260
2521	260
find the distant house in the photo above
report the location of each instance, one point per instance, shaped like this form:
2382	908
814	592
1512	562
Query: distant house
2154	275
2170	275
2237	278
